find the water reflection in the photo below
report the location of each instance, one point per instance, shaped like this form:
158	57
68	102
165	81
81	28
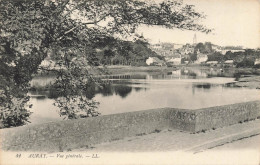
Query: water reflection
122	90
106	90
202	85
183	88
110	89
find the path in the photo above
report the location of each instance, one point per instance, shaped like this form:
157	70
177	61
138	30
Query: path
174	140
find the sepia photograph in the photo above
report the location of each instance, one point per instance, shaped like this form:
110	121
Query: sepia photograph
146	82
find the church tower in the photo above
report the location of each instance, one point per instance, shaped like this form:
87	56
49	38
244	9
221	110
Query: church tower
194	39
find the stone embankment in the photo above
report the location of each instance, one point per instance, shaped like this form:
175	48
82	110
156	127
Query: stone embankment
63	135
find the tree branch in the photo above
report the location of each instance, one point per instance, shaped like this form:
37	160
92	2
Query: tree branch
87	23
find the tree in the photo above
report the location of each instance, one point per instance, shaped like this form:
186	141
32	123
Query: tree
193	56
71	32
216	56
204	48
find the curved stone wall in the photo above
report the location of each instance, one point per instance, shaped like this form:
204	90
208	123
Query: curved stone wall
64	135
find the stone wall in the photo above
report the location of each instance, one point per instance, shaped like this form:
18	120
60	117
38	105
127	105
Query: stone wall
220	116
64	135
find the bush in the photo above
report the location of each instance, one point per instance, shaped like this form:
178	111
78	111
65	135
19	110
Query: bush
13	113
245	63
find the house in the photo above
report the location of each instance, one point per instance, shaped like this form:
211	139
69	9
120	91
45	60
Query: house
229	63
257	61
176	61
224	51
154	61
201	58
163	49
216	48
186	49
212	62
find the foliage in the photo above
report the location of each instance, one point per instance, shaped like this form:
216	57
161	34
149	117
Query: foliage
72	33
203	48
193	56
127	53
244	58
245	63
77	107
216	56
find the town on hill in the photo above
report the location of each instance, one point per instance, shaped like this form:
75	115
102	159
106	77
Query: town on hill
204	54
141	53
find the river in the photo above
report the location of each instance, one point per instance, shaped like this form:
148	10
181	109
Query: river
183	88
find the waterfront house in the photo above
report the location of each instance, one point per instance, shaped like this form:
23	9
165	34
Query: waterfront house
229	63
175	61
201	58
154	61
212	63
224	51
257	61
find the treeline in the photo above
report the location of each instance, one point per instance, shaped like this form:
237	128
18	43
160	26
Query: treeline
241	58
125	53
111	51
205	48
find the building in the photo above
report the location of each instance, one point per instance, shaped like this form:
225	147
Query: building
155	61
201	58
165	49
212	62
229	63
224	51
186	49
257	61
216	48
175	61
194	39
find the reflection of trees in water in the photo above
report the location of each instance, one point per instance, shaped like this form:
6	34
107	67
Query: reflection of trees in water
206	86
137	89
122	90
203	86
91	90
106	90
190	73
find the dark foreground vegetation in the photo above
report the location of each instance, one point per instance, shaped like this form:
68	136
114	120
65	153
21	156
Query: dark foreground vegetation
75	34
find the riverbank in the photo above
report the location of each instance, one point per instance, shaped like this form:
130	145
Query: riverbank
122	69
242	71
245	77
252	82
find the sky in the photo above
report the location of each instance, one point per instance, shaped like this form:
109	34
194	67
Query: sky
235	23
